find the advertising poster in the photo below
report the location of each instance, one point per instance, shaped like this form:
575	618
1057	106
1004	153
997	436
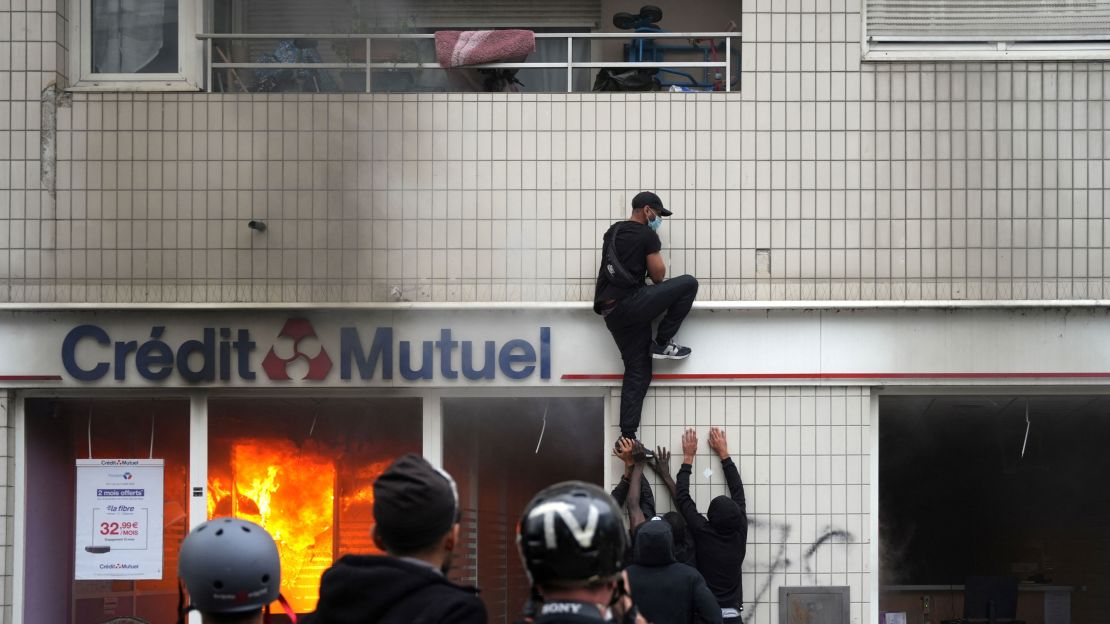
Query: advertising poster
119	519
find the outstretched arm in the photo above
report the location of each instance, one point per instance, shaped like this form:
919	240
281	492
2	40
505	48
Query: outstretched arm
686	505
635	514
623	450
719	444
662	467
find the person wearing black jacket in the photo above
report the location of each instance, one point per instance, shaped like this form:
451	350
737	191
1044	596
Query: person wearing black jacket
416	514
663	589
721	540
629	306
684	551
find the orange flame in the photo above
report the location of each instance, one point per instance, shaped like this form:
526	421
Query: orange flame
217	491
365	476
290	491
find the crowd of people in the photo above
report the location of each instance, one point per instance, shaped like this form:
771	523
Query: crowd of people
585	563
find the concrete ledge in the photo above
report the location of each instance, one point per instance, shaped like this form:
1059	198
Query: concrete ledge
398	306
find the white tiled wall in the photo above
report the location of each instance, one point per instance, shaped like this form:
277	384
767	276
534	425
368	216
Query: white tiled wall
7	508
803	453
31	44
881	181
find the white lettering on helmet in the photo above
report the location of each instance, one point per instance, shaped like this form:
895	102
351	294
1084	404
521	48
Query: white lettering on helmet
560	607
583	535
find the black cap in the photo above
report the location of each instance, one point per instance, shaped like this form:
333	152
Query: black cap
647	198
414	504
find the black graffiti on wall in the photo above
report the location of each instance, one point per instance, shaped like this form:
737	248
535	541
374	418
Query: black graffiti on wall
781	562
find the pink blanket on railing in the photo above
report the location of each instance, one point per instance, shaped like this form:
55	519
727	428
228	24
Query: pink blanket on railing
457	48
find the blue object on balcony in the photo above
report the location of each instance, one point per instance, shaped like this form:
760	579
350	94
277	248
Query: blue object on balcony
292	79
649	51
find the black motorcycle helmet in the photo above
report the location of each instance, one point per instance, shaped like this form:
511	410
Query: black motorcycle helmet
571	535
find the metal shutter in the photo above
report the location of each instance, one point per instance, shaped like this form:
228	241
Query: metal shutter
323	16
988	20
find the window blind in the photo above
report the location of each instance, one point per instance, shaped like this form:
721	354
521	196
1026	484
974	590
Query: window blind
279	16
987	20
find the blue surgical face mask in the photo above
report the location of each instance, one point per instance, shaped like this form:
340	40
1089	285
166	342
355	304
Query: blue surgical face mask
655	223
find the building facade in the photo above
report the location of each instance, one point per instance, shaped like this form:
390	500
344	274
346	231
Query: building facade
901	230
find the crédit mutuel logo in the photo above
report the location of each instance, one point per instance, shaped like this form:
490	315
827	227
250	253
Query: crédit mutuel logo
297	330
298	353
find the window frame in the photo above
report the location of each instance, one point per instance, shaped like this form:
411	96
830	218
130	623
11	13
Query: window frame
927	50
190	19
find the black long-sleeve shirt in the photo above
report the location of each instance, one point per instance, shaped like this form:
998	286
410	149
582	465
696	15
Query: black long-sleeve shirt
722	540
647	499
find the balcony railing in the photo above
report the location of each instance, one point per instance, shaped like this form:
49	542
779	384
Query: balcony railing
710	43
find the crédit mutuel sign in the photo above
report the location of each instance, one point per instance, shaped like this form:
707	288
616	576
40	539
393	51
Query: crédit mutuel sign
92	353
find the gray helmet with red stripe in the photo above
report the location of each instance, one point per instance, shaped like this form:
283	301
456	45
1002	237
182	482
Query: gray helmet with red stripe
230	566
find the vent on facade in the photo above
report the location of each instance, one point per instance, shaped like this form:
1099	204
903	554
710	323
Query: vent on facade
814	605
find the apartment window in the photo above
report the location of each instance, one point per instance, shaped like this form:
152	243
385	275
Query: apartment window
971	30
136	44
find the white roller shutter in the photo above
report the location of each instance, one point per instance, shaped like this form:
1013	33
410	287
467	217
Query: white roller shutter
325	16
484	13
987	20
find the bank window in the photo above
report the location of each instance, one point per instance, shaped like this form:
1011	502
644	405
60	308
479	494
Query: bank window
136	44
967	30
304	469
60	433
501	451
991	507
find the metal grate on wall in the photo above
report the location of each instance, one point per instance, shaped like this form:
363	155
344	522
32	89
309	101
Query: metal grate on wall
988	20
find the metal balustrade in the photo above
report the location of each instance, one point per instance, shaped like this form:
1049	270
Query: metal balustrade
569	65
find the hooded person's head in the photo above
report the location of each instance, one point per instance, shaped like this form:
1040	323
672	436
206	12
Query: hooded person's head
416	510
654	545
678	526
724	515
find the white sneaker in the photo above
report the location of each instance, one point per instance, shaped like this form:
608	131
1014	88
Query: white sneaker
669	351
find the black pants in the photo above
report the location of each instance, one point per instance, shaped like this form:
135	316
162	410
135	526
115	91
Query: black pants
630	323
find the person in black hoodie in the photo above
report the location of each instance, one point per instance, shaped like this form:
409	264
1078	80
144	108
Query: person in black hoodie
722	540
416	515
684	550
663	589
